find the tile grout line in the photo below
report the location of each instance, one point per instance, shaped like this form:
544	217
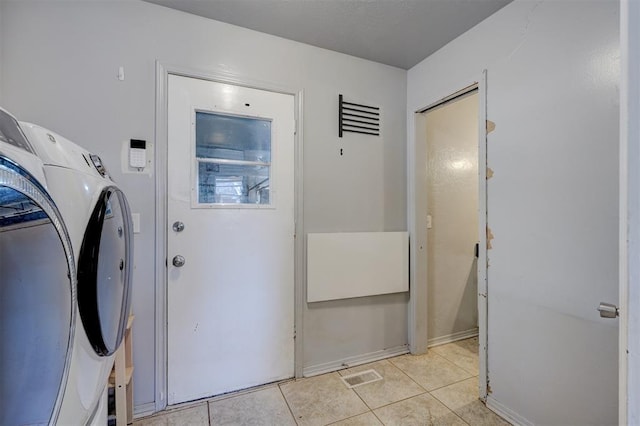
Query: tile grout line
459	366
444	403
288	406
456	414
453	383
351	417
354	390
408	376
209	413
376	416
400	400
360	398
429	391
440	387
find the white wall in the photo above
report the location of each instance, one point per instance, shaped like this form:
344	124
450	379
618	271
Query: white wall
452	202
552	203
61	73
1	44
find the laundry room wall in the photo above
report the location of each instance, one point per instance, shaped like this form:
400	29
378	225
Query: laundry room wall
1	43
59	69
552	92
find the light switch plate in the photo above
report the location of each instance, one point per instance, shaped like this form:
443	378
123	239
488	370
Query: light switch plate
135	219
429	222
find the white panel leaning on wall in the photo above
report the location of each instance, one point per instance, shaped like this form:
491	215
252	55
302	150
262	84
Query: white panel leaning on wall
356	264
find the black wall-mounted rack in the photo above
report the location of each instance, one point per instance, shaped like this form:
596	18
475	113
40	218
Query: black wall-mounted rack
357	118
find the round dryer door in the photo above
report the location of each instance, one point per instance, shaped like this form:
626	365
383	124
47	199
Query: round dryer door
104	272
37	285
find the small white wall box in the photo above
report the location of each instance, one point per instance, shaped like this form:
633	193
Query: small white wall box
137	153
357	264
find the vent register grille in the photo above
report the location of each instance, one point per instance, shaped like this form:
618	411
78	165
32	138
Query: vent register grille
358	118
361	378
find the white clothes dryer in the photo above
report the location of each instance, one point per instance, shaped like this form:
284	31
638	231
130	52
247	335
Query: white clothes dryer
99	225
37	287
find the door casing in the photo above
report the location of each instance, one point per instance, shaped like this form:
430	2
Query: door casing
162	72
629	238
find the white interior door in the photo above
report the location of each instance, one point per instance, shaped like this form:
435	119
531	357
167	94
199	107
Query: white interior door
230	238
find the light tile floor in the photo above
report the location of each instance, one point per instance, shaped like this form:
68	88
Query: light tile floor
439	388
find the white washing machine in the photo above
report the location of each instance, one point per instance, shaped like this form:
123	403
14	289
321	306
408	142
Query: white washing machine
99	225
37	287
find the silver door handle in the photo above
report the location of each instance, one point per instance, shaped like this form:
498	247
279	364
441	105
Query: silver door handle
607	310
178	226
178	261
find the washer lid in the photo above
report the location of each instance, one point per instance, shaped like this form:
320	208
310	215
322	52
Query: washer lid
37	299
104	272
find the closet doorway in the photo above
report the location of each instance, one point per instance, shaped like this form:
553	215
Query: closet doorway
452	218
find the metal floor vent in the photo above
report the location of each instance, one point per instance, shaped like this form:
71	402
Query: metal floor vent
361	378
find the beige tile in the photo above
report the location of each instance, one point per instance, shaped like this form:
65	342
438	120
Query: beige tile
463	353
431	371
263	407
366	419
419	410
394	386
462	398
192	416
322	400
472	344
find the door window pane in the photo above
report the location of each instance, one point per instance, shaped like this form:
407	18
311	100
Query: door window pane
234	159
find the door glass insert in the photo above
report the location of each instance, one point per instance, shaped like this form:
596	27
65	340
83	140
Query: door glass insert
36	300
233	156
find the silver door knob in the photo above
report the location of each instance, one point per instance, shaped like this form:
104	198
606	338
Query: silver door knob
178	261
178	226
607	310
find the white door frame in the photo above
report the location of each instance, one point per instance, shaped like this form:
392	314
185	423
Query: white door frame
161	139
417	212
629	286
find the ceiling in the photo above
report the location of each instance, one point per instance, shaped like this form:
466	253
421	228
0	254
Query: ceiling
400	33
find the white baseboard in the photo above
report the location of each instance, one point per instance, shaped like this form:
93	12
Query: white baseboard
328	367
144	410
506	413
461	335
